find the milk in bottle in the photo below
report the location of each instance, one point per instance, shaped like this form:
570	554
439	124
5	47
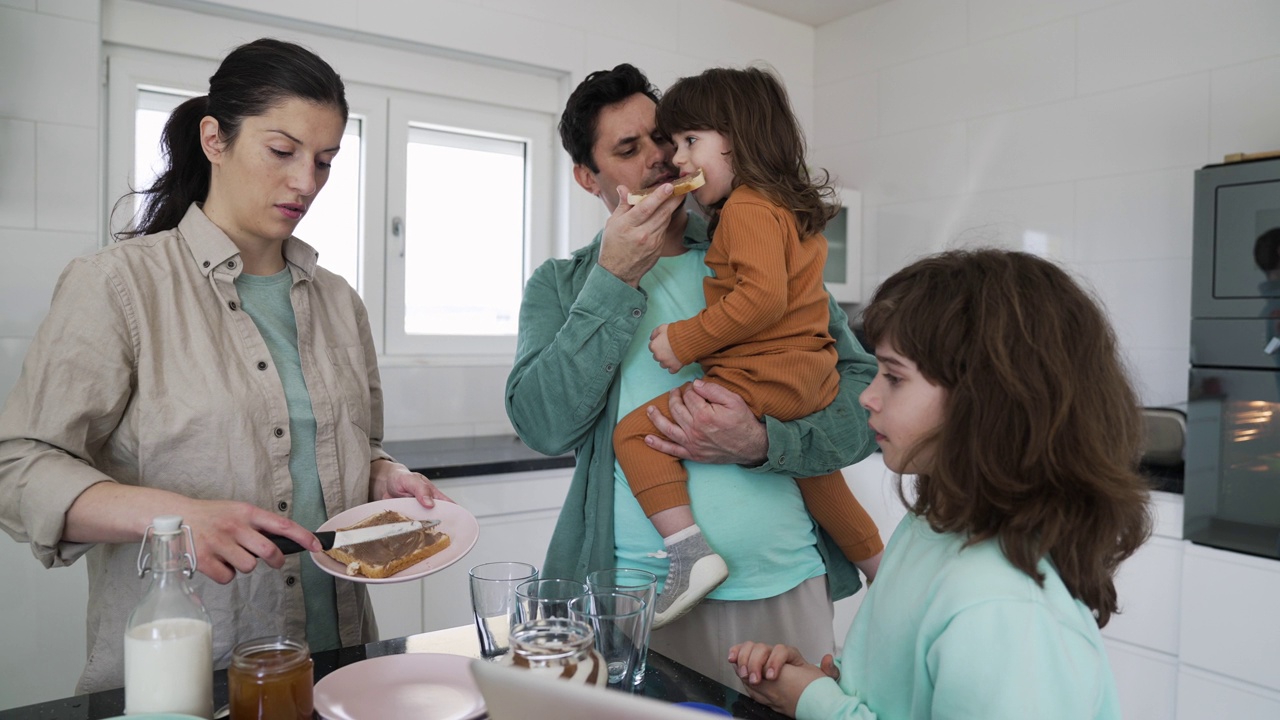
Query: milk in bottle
168	643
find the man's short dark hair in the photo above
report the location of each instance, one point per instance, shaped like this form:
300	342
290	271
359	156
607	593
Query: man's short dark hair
597	91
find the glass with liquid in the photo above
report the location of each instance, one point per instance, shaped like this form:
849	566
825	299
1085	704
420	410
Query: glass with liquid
271	679
560	648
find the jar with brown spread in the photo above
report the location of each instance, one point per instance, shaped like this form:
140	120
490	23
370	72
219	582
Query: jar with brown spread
559	648
271	678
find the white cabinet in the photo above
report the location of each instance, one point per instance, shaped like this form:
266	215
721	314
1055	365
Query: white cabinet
876	488
1146	681
1229	615
1142	639
1204	696
516	513
1147	587
43	618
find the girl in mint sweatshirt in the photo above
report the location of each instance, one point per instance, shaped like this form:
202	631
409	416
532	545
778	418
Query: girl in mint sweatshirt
1002	391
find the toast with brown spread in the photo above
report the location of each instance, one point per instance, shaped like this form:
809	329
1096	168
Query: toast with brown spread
388	556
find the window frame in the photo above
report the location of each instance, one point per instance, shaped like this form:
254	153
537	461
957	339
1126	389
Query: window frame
468	117
381	271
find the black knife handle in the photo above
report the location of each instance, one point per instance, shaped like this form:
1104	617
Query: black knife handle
289	547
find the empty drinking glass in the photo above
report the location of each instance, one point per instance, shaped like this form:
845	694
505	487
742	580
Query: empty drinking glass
546	598
493	602
617	620
644	585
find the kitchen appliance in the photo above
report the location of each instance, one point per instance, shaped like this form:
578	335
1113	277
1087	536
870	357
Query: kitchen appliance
1232	485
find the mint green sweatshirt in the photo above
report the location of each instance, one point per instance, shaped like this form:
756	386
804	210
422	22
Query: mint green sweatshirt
953	632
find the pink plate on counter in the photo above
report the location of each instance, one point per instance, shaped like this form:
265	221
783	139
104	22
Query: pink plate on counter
456	522
422	686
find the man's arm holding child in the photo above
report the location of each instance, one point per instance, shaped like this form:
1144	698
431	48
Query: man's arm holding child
713	425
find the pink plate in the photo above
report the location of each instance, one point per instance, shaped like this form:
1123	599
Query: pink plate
457	523
423	686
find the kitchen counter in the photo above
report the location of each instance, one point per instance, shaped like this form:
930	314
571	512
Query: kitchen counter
462	457
665	679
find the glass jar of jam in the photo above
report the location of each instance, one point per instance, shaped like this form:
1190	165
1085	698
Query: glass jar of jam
271	679
559	648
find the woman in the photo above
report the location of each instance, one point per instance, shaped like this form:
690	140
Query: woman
205	366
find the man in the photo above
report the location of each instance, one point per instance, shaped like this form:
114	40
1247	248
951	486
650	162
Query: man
582	362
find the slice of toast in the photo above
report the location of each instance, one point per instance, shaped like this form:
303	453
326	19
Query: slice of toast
679	186
388	556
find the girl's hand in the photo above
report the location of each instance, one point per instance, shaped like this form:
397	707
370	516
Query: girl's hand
775	675
828	666
757	661
660	346
392	480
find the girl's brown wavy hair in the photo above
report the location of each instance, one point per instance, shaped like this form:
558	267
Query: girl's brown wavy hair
751	109
1042	431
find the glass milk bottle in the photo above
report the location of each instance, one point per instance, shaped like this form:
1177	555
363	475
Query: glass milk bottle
168	643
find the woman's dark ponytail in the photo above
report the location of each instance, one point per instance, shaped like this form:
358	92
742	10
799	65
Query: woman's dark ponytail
185	178
251	80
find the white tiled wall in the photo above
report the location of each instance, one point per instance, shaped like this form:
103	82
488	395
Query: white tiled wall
1072	125
1068	125
51	185
49	180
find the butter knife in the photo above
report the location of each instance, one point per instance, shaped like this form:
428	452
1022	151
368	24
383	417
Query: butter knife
346	538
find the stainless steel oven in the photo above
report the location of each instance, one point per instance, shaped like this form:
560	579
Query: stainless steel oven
1232	486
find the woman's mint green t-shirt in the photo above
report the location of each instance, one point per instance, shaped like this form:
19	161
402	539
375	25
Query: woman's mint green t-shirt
266	299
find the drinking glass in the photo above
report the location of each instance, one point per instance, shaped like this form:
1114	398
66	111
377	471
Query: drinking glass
617	620
642	584
493	602
545	598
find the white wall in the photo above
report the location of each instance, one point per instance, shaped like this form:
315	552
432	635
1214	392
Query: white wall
1078	122
1073	125
51	186
48	215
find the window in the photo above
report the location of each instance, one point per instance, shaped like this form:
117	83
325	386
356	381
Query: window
465	276
436	208
469	201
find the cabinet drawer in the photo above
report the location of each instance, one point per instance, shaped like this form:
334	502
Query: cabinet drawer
1148	585
1203	695
1147	681
1229	611
507	493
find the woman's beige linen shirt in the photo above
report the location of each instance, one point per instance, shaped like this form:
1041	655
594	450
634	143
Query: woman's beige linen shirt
147	372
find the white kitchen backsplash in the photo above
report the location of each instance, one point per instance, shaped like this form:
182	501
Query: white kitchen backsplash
1069	129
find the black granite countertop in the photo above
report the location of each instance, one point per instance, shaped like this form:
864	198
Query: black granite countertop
1165	478
665	679
461	457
